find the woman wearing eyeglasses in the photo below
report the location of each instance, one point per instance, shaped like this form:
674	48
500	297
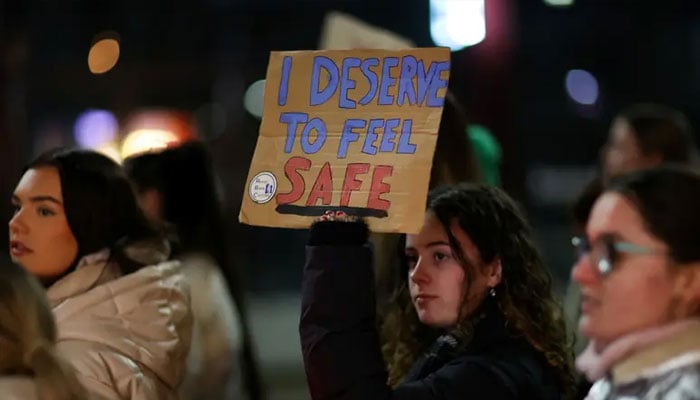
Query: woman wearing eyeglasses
639	271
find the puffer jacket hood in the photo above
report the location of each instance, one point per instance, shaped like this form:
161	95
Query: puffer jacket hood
130	333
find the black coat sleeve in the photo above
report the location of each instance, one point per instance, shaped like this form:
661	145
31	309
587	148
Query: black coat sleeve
340	342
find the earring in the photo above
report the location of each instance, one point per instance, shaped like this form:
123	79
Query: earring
492	292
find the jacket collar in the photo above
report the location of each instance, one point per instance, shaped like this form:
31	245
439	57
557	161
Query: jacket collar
489	331
144	316
676	351
98	268
643	354
92	270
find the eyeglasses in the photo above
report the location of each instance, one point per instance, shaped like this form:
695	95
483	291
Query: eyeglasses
605	251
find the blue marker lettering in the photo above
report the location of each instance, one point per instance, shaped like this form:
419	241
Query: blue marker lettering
405	145
346	83
388	143
385	98
349	135
369	147
371	78
316	96
406	88
437	83
284	82
319	126
292	119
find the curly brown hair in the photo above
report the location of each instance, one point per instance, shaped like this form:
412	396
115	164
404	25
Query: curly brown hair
496	226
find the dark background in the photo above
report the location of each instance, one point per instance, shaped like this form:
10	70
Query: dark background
182	55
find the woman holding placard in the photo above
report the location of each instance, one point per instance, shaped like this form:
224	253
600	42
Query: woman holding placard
476	317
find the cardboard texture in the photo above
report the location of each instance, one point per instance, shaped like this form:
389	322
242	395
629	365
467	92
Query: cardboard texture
350	130
342	31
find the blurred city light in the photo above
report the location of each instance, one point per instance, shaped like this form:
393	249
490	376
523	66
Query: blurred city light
254	98
144	140
95	127
111	150
177	122
457	23
103	55
559	3
581	86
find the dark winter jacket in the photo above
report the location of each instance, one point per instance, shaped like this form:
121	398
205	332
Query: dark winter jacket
341	346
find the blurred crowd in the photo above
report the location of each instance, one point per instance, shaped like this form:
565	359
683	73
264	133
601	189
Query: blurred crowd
120	282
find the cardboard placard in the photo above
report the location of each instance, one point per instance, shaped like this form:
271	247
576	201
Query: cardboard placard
343	31
350	130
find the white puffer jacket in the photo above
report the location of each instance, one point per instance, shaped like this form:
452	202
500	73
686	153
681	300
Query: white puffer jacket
126	336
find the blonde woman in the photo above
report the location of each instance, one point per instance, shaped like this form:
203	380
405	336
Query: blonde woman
29	367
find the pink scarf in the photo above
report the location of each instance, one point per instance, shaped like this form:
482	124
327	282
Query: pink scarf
596	365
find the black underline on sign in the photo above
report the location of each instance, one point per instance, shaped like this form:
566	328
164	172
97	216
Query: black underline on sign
317	211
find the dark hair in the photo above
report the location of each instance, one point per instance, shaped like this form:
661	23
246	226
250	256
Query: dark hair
498	229
583	204
184	176
661	130
667	198
658	129
186	180
100	205
455	161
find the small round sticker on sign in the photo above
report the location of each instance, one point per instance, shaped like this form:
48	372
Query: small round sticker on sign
262	187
